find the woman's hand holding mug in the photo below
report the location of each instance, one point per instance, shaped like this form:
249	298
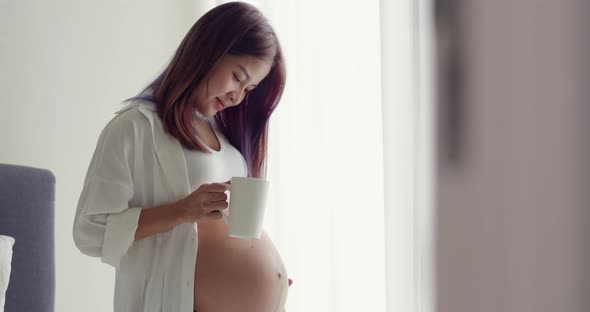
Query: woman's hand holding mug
205	203
247	205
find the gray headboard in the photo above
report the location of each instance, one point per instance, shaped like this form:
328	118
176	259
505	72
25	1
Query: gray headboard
27	202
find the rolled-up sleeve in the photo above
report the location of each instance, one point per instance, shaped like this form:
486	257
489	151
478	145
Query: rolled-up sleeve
105	224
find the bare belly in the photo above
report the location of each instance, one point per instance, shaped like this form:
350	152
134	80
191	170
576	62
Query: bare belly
237	274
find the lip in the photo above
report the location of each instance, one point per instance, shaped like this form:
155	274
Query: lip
220	105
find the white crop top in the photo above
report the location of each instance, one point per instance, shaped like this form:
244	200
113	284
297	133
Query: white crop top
217	167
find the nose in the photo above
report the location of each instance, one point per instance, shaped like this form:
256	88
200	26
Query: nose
236	97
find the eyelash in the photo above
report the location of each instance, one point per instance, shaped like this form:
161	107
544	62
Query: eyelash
238	81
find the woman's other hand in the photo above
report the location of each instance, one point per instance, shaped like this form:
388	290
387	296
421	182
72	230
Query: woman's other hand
205	203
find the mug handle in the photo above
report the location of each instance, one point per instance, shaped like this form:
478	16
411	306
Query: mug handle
224	217
228	186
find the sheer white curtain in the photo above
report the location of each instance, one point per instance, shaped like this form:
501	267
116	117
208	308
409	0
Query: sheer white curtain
349	158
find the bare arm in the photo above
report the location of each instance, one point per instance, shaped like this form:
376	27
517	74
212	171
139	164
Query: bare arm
203	204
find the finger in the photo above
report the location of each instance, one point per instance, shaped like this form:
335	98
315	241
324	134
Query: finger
215	197
217	188
220	205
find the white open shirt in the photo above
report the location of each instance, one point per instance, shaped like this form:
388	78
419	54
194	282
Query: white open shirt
137	165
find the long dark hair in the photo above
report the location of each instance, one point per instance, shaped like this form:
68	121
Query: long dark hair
234	28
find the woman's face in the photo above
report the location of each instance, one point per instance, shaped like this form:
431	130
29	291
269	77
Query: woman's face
229	82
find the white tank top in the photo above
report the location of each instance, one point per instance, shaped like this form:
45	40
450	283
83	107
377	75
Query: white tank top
219	166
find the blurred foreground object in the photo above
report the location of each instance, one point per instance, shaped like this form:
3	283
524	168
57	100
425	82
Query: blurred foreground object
513	169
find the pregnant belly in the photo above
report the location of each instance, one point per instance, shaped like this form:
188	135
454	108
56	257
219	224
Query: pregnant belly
237	274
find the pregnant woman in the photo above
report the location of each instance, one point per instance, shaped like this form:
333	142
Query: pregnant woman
153	200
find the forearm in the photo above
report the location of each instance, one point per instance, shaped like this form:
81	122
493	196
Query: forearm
158	220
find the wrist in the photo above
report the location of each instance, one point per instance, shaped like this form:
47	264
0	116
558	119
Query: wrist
180	213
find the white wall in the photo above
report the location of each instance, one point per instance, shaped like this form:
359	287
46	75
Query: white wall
64	68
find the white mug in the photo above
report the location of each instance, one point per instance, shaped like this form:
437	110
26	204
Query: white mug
247	203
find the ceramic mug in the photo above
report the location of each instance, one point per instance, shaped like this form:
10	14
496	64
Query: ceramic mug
247	203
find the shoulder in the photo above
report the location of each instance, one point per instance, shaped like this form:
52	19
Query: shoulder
128	124
136	113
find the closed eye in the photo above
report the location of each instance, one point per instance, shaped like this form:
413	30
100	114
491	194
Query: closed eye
239	81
